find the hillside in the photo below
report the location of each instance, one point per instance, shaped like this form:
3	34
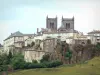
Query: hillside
92	67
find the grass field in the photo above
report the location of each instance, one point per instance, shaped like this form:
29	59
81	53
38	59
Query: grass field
90	68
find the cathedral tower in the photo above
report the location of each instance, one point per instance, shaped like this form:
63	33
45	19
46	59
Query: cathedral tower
51	23
68	23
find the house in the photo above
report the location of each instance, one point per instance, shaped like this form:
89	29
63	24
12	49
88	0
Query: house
94	36
15	41
79	39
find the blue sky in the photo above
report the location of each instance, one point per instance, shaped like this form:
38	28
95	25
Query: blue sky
28	15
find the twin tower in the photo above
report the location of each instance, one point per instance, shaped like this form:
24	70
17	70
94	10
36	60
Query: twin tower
66	23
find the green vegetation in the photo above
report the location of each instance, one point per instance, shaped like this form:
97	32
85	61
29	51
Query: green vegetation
92	67
45	58
64	54
5	60
16	62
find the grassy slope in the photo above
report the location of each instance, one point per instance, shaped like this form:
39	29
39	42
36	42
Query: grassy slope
84	69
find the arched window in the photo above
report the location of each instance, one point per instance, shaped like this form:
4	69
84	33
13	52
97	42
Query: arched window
51	25
67	25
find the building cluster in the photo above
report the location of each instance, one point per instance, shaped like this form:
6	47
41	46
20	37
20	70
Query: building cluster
34	46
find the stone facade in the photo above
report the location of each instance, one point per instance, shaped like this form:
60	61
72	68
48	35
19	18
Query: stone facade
32	54
49	44
68	23
51	23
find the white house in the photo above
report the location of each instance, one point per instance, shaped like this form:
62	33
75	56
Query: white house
15	40
94	36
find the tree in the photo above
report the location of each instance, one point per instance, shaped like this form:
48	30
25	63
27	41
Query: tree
3	62
78	48
33	43
97	49
3	59
9	57
34	61
18	61
68	55
45	58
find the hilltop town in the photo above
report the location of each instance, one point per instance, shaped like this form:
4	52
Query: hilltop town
34	46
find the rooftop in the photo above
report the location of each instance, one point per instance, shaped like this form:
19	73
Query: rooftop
67	31
15	34
94	32
18	34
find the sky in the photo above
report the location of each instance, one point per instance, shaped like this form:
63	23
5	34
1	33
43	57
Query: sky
28	15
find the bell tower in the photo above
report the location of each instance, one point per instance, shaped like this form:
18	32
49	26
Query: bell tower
68	23
51	23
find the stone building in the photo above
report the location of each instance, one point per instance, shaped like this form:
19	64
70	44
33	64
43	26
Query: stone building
51	23
31	54
49	44
15	41
36	53
67	24
94	36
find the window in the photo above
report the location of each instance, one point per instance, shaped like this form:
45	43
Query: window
98	39
51	25
67	25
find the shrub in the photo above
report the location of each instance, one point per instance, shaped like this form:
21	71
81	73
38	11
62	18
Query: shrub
29	65
18	61
33	65
52	64
34	61
3	68
45	58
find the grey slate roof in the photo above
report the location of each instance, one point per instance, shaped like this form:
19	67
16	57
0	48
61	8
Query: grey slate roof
15	35
18	34
94	32
28	34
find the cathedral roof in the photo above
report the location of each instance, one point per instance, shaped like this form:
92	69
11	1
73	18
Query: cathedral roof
67	31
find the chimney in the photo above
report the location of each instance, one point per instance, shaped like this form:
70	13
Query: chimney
73	18
37	30
62	18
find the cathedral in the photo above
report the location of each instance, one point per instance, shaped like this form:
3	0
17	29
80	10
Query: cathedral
67	25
